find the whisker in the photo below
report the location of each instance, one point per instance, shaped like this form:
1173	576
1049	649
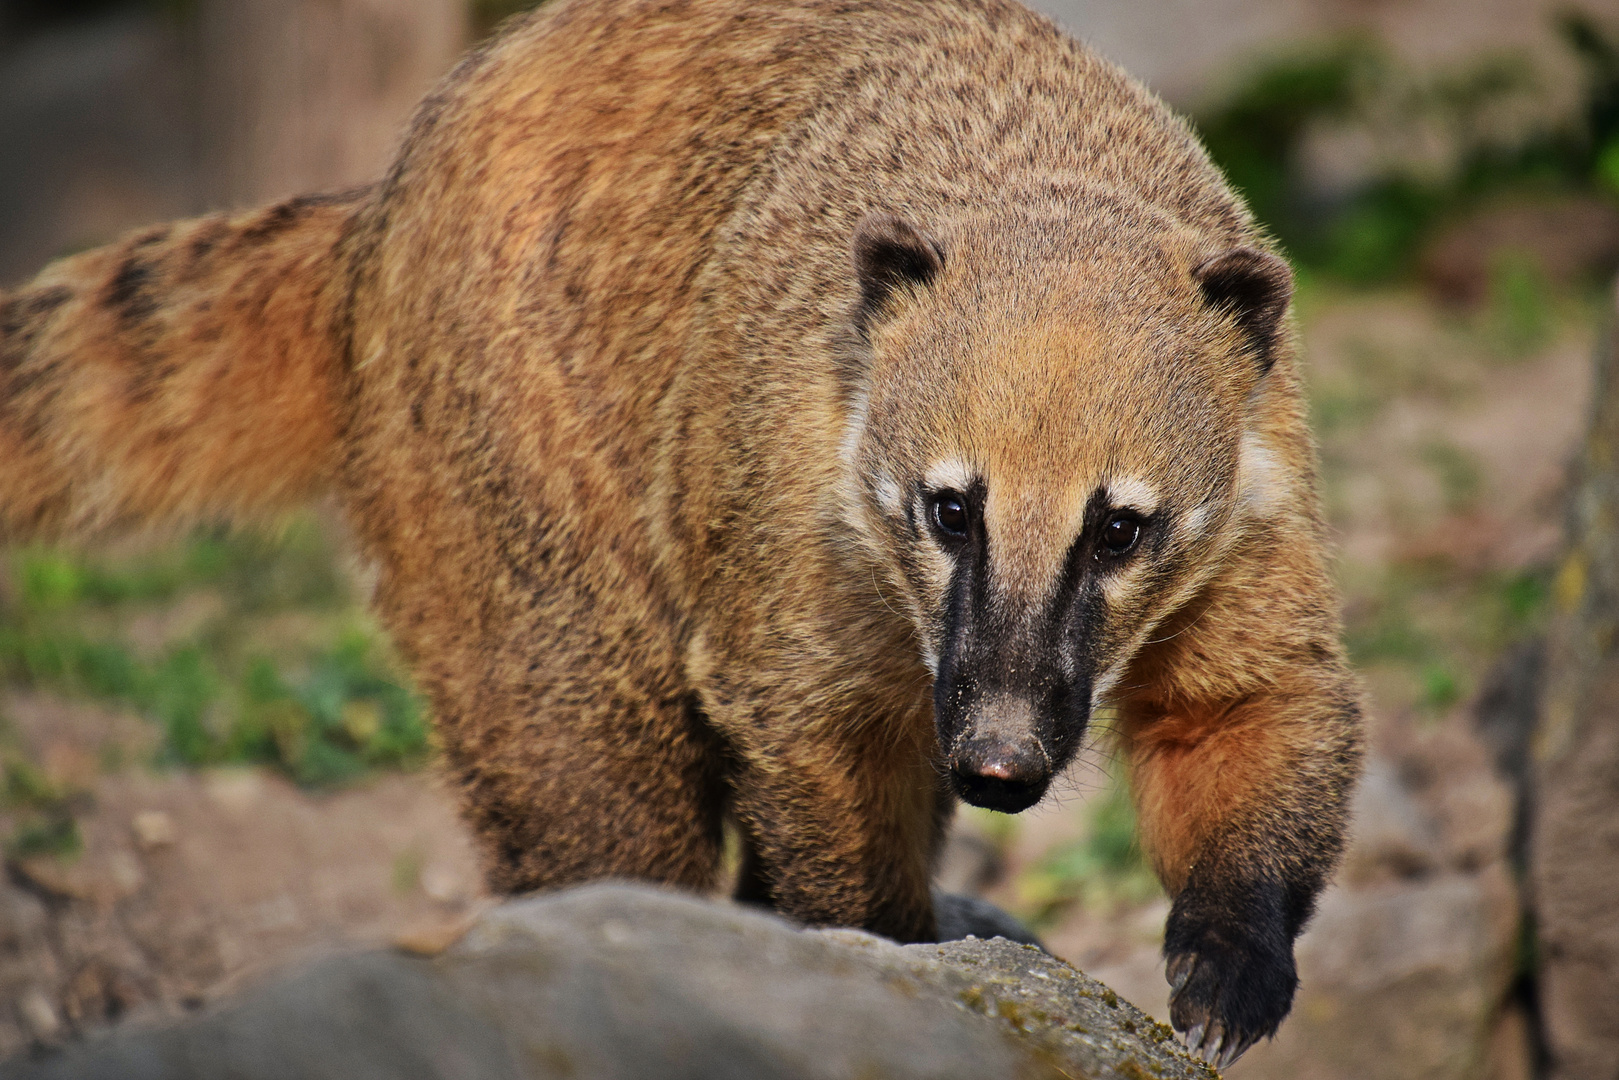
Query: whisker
1178	633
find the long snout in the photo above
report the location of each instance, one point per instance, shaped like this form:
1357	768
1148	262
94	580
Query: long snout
998	760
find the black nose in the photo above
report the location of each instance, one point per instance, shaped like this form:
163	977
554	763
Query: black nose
1000	776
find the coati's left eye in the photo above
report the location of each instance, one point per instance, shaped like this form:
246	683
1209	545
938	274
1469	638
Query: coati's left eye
950	514
1121	533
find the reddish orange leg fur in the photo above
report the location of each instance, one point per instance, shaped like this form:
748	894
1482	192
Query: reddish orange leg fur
1242	794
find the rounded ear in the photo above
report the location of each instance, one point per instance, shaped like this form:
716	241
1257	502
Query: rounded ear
888	253
1253	287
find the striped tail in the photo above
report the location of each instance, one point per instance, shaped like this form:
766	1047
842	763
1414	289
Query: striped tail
188	371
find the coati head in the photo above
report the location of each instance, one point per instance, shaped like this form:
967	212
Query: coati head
1053	438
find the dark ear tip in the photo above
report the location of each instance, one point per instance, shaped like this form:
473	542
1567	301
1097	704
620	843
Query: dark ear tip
889	252
1252	285
1244	276
883	233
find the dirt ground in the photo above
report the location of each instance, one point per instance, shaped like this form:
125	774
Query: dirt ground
189	883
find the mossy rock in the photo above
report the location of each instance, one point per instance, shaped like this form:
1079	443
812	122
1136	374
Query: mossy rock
611	981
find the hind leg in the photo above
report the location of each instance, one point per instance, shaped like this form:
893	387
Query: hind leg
623	789
839	830
562	715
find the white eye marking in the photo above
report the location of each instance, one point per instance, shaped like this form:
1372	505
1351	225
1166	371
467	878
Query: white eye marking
1262	483
1129	492
931	658
1101	687
951	474
1194	522
1119	586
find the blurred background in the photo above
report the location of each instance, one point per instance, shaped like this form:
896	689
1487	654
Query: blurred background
211	764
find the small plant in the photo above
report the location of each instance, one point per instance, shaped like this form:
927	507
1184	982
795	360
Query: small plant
1104	870
1520	304
332	725
1440	688
41	811
323	707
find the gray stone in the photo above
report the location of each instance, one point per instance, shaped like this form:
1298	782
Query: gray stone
1574	837
613	981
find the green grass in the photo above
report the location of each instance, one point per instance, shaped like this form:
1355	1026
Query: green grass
1104	870
1520	316
321	701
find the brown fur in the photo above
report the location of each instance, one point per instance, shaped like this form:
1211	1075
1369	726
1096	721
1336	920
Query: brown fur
583	371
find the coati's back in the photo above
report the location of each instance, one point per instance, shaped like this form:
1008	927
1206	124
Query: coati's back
612	194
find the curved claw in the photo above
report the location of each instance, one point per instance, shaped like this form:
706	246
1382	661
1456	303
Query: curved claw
1212	1044
1226	996
1233	1050
1208	1040
1179	970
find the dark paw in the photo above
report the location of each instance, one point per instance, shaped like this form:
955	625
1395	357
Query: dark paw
960	915
1231	978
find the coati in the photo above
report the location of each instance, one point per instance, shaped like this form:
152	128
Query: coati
812	411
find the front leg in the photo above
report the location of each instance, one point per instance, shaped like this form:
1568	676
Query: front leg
1243	806
1243	738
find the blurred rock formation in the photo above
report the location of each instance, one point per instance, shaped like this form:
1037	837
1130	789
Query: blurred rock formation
1574	831
309	95
153	111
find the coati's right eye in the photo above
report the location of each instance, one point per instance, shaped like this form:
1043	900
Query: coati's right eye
950	515
1121	532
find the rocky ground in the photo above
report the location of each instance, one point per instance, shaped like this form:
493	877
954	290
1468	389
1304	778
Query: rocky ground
190	884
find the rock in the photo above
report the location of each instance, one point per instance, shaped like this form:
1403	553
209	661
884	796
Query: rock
1393	836
37	1012
1574	833
433	936
627	981
102	881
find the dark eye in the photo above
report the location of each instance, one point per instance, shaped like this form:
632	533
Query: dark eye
1121	533
950	514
